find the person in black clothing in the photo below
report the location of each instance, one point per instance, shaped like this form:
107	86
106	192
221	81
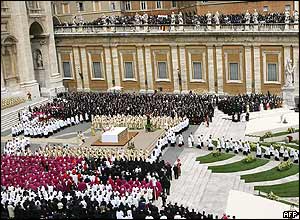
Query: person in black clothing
175	170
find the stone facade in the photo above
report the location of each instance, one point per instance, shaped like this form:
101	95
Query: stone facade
214	53
28	52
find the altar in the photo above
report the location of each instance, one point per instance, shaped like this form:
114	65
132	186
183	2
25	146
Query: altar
115	135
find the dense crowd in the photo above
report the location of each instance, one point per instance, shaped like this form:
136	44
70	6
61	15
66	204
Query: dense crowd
274	17
248	103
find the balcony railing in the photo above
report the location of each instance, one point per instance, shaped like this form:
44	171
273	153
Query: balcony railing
270	27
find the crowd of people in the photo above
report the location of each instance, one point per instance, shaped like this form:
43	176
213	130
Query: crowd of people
137	19
135	122
73	108
248	103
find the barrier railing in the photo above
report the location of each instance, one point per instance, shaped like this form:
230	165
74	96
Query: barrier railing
164	28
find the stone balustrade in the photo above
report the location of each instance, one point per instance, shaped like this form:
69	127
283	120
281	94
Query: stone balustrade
267	27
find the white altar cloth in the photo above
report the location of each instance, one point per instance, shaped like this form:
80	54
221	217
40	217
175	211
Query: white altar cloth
112	135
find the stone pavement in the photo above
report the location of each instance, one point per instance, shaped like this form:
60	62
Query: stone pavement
222	125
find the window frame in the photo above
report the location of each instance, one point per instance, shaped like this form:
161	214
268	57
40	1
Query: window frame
277	73
172	4
158	72
161	6
78	6
127	5
238	72
133	73
141	8
265	8
193	72
93	71
63	69
63	8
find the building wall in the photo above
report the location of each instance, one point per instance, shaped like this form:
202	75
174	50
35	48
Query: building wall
215	51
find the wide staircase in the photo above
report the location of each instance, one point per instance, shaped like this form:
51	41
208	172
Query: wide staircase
9	116
200	189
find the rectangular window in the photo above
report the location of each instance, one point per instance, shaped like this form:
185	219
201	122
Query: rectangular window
129	70
158	4
197	70
113	6
97	73
266	8
272	72
97	6
143	5
80	6
162	70
127	5
174	4
233	71
65	8
287	7
67	69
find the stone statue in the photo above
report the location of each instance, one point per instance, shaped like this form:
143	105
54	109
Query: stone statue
112	19
38	59
74	20
80	18
180	19
173	19
255	17
289	73
247	17
145	18
208	15
217	18
296	16
104	18
287	17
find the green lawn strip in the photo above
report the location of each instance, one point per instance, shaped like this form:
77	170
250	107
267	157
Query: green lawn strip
210	158
238	166
272	174
289	189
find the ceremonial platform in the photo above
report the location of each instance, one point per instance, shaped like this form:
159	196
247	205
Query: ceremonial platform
117	137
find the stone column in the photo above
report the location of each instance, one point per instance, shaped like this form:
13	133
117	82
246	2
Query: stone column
20	30
296	63
56	80
141	66
248	67
149	69
257	74
175	67
211	70
85	72
108	66
183	70
3	89
116	65
77	68
219	63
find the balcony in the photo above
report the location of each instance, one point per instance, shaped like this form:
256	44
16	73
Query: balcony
176	29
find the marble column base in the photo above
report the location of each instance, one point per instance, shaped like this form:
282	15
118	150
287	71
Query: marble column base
288	94
32	87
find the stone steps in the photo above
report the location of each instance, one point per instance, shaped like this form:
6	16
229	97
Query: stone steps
10	118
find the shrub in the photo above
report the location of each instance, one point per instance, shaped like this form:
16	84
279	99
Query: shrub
249	159
272	196
148	127
291	130
131	146
285	165
268	134
216	153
